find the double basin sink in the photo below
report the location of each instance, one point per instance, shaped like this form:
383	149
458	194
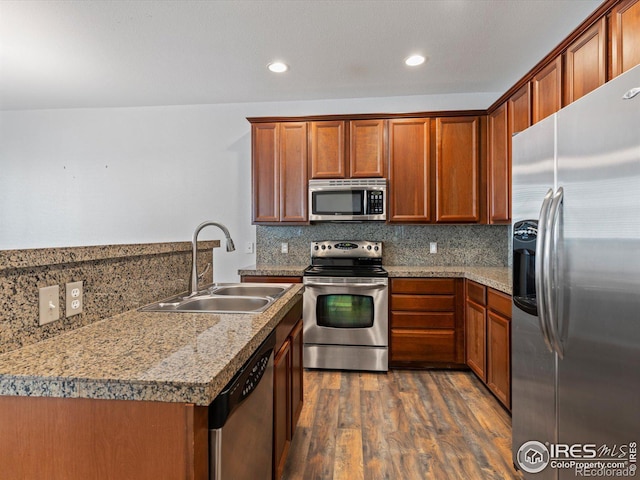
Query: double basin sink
224	298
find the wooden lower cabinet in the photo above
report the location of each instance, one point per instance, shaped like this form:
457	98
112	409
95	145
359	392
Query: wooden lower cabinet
426	322
498	357
475	333
80	438
288	385
499	345
281	407
488	338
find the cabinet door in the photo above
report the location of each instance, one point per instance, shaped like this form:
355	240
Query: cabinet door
625	36
265	172
281	407
457	170
475	335
327	150
293	172
409	167
366	148
547	90
519	111
499	356
585	61
297	371
499	167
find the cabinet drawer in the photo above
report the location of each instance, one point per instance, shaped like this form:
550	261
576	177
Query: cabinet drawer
477	292
416	303
499	302
422	320
423	346
423	285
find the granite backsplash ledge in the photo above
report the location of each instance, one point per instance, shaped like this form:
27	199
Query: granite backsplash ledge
478	245
116	278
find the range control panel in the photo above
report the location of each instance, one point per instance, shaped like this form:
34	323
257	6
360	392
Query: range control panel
346	249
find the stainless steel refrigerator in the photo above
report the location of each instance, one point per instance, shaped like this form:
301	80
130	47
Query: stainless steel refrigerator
576	288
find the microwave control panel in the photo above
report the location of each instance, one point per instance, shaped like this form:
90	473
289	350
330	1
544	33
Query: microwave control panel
375	202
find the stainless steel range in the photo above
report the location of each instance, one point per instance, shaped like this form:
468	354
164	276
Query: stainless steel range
345	307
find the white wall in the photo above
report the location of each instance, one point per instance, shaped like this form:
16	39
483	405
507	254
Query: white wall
149	174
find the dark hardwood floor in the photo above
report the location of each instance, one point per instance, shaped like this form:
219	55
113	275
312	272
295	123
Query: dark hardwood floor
404	424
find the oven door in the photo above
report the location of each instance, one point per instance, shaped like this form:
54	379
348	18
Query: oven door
346	311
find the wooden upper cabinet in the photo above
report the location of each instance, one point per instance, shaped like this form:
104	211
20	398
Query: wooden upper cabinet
366	148
499	167
409	170
265	172
279	172
457	169
585	62
519	111
625	36
293	172
547	90
327	149
330	157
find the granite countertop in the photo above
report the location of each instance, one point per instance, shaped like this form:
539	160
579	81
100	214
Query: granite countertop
494	277
156	356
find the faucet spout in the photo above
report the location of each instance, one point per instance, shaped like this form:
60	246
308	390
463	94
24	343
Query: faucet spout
193	281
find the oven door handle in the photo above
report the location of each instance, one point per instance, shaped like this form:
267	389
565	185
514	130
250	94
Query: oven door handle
368	286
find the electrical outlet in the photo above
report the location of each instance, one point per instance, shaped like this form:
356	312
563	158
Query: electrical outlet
74	298
284	247
248	247
433	247
49	303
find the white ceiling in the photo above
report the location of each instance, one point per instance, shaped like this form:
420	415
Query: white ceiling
89	53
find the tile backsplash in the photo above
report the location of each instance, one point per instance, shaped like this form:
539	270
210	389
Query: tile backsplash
478	245
116	278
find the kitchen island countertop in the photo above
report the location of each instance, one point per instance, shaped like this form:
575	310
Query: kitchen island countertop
155	356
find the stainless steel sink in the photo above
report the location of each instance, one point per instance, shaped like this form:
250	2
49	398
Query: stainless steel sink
225	304
223	298
257	290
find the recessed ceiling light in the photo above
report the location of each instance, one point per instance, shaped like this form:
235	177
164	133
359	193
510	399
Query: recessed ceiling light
278	67
415	60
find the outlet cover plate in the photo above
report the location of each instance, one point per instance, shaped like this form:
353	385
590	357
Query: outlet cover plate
73	298
49	304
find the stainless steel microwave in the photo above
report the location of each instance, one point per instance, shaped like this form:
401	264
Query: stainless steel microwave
363	199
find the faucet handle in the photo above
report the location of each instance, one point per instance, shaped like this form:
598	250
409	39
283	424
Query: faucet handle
201	275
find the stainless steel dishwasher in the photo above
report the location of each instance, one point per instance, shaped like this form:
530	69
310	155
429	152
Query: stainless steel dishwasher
241	421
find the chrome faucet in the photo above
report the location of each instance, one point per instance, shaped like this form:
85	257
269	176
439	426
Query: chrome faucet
193	281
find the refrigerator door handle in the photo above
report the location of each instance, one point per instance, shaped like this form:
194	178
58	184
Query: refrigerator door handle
551	277
541	282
